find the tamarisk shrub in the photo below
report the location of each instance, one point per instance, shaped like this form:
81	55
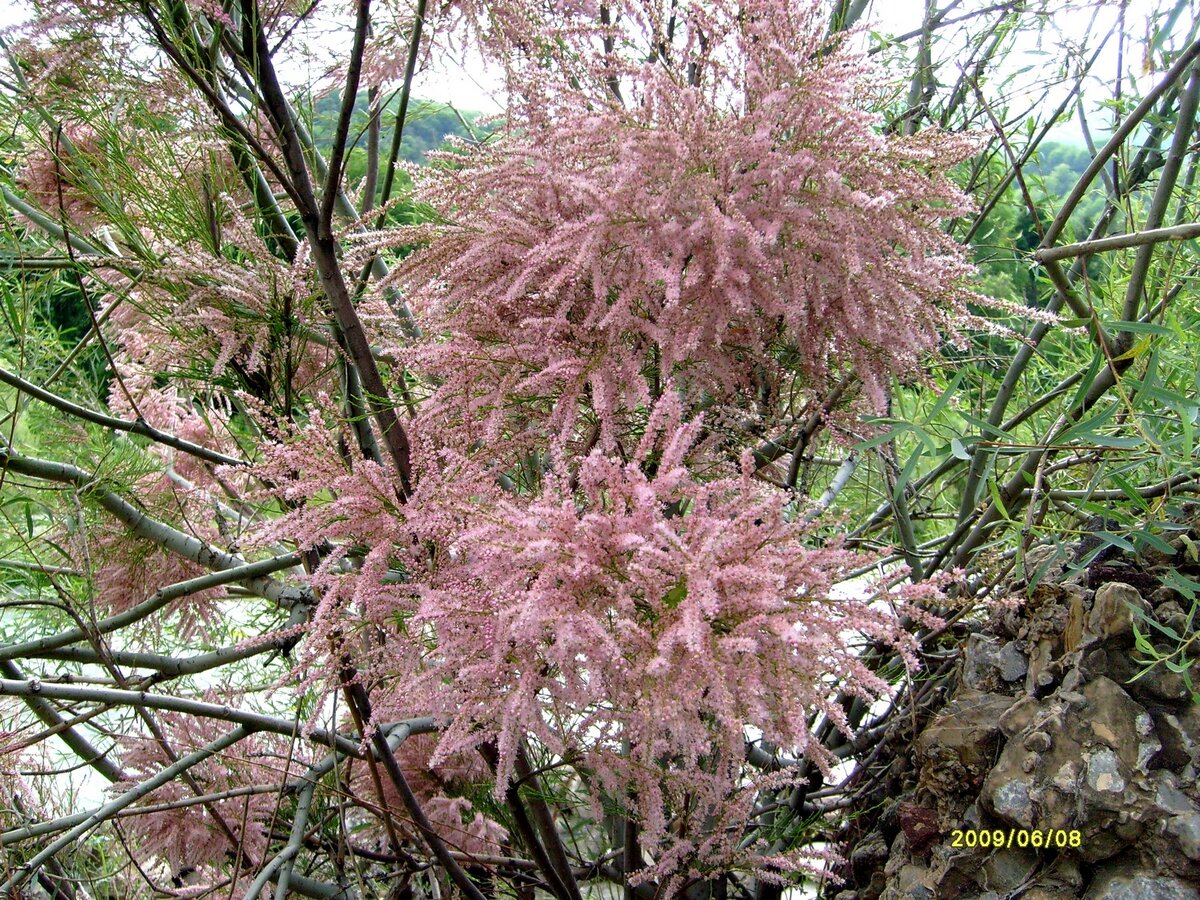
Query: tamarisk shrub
649	245
685	234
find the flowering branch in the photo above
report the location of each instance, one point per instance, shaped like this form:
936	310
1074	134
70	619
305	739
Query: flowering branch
139	427
24	871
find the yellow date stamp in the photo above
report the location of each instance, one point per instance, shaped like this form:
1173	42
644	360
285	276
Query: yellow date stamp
1004	839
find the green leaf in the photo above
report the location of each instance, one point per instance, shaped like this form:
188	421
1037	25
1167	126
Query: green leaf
1115	540
1161	33
1178	582
1166	630
949	392
1085	383
984	427
958	449
675	596
1142	642
1129	491
1119	441
879	439
1144	328
907	471
996	500
1145	535
1190	546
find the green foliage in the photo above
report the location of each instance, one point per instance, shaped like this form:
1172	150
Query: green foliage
426	128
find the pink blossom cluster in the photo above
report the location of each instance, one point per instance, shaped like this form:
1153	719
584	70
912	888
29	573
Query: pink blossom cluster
637	625
602	245
444	790
57	177
335	500
239	309
189	835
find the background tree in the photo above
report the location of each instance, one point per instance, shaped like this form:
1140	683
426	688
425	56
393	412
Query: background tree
482	527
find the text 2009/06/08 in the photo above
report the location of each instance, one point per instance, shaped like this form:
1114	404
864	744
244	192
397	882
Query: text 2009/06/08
1047	839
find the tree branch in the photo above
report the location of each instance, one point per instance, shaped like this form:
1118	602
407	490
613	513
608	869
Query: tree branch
139	427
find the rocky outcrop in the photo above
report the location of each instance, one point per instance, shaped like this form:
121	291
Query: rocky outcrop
1078	765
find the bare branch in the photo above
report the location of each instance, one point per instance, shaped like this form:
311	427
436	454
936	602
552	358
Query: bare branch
139	427
249	574
1120	242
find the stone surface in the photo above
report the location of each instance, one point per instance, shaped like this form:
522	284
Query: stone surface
1160	683
1006	870
1045	562
1112	616
960	745
982	664
867	862
1048	729
1012	662
1123	884
1179	731
1185	830
1089	776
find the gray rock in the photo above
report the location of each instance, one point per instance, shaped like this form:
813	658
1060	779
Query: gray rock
869	856
1010	800
958	747
1045	562
911	882
1125	884
1038	741
1172	615
982	664
1018	716
1168	799
1185	829
1180	736
1006	870
1104	772
1160	683
1093	775
1112	615
1012	662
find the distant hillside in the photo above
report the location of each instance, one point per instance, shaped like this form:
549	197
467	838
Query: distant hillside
427	127
1061	164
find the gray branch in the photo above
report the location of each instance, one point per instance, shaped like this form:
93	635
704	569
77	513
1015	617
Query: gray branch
138	427
1120	242
164	535
250	574
254	721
